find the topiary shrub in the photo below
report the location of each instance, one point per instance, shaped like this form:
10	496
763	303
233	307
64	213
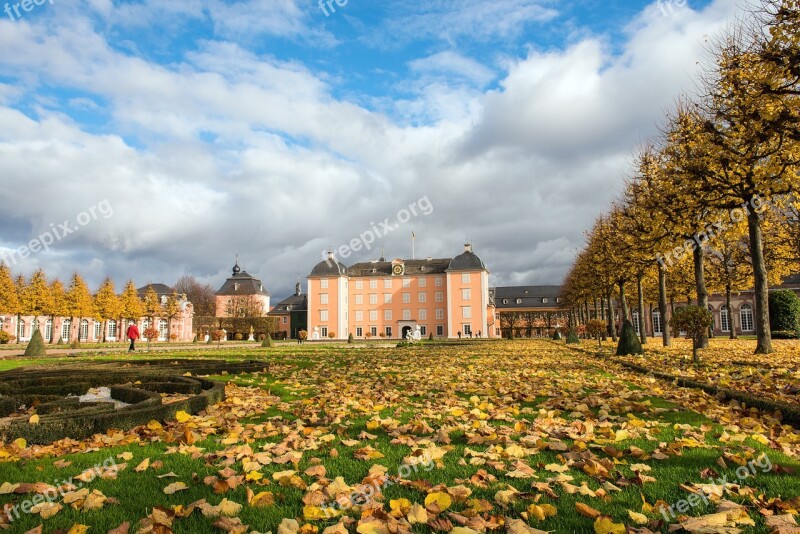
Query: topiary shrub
194	339
784	311
331	335
36	345
60	341
238	336
430	336
572	338
350	338
693	320
267	343
629	341
556	335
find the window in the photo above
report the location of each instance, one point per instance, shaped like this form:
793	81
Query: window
387	298
505	301
359	299
423	315
387	283
373	284
421	282
359	284
48	330
423	330
324	331
323	298
725	319
657	322
323	283
439	313
439	296
545	300
466	312
162	329
373	331
373	298
439	330
359	331
466	294
112	329
406	282
497	332
406	298
387	315
323	315
423	297
406	315
467	330
746	314
519	301
636	322
388	331
21	330
373	315
84	332
359	316
285	320
437	281
465	278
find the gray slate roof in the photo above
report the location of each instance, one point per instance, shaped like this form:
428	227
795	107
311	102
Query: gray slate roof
466	261
293	303
412	267
160	289
248	285
532	296
329	268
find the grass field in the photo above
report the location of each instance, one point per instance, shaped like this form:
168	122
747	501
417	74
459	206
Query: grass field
521	436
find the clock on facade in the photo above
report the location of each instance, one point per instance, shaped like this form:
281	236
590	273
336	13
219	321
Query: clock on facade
398	269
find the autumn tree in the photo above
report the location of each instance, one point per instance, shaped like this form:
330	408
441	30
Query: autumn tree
152	304
78	303
36	297
107	304
131	306
172	308
202	296
58	307
9	299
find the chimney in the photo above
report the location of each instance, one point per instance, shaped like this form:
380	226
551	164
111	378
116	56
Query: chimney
467	247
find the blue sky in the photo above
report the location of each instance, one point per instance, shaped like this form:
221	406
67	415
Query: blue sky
268	129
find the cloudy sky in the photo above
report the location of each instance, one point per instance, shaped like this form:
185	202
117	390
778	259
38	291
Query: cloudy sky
171	135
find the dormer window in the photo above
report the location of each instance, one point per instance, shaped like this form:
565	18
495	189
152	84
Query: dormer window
544	300
519	301
236	286
505	301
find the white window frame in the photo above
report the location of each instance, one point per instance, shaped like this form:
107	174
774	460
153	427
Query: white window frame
323	316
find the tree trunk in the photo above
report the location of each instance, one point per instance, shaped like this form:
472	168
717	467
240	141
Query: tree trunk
103	325
612	328
603	316
19	318
662	306
731	324
623	302
763	333
702	293
640	295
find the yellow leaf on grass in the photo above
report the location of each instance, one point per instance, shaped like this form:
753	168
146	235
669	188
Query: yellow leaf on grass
400	505
262	500
175	487
20	443
315	513
34	419
586	510
142	466
440	499
126	456
542	511
417	514
604	525
182	416
229	508
283	474
254	475
154	425
556	468
636	517
78	529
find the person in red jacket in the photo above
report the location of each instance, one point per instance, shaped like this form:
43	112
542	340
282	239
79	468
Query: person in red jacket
133	335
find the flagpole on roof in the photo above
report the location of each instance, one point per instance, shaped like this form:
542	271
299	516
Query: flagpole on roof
413	245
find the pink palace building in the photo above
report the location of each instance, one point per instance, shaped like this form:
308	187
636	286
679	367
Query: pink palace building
444	297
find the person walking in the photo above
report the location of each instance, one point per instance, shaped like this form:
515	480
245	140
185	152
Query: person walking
133	335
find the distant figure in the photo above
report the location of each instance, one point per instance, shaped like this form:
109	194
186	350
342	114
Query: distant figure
133	335
459	334
479	334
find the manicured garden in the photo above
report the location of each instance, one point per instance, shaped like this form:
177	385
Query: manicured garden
503	436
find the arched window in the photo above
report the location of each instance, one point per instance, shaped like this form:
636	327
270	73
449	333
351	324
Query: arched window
83	335
65	328
746	315
162	330
636	322
98	330
48	330
657	322
112	329
725	318
713	319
